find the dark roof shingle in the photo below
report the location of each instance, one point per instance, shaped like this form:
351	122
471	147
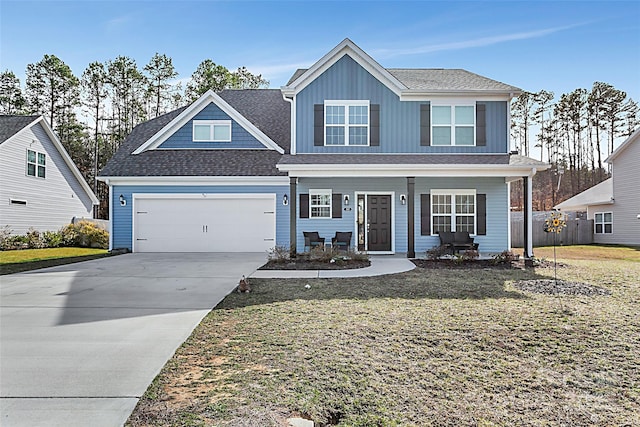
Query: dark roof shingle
11	124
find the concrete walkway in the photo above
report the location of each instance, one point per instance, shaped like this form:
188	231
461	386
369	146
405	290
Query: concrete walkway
380	265
80	343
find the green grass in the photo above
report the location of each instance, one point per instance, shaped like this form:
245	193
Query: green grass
31	259
427	347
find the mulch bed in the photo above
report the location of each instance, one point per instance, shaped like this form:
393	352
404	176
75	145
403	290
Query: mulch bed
450	263
550	287
314	265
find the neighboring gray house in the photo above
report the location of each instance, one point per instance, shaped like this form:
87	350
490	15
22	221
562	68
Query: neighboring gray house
392	156
40	186
614	204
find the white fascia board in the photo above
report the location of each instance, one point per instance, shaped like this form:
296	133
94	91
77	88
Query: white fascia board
190	112
346	47
196	180
447	96
405	170
67	159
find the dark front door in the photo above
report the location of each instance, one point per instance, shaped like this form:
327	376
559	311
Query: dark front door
379	222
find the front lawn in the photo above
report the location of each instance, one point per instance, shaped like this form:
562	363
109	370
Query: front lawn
31	259
427	347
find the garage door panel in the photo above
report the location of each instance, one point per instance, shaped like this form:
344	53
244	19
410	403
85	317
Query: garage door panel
213	224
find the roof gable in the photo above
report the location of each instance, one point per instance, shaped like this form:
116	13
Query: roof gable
599	194
196	107
635	136
346	47
16	126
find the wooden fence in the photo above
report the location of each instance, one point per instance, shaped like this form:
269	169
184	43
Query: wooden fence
577	232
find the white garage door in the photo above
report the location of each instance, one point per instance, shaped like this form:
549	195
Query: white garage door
204	223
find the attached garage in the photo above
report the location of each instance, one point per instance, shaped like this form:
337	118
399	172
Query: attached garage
203	222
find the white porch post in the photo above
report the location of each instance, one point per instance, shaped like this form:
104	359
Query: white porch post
529	195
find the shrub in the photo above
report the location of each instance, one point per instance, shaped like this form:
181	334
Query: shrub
6	238
85	234
52	239
437	252
504	257
34	239
279	254
470	255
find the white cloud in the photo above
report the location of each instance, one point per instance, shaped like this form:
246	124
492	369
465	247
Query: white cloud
467	44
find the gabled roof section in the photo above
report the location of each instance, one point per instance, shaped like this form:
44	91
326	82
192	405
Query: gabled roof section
599	194
635	136
15	124
11	125
346	47
190	112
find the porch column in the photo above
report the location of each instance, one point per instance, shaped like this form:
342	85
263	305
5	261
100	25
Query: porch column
293	200
528	220
411	232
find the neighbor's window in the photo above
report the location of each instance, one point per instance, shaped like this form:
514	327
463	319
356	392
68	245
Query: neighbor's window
346	122
36	163
603	222
453	210
319	203
453	125
212	130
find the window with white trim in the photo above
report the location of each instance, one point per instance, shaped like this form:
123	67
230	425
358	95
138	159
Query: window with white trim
212	130
603	222
346	123
453	125
319	203
36	163
453	210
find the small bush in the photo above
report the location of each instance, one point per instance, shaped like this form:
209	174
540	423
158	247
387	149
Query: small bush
6	238
437	252
34	239
279	254
85	234
319	254
504	257
470	255
52	239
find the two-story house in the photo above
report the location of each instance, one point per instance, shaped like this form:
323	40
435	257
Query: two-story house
392	155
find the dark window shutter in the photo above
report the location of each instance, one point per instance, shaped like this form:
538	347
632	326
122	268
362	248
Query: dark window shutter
425	215
304	206
481	125
425	124
481	214
336	205
374	125
318	125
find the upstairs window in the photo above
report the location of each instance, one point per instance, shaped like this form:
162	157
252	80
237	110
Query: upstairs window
346	123
453	210
319	203
453	125
603	223
212	130
36	163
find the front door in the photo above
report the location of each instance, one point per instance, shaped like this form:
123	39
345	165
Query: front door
378	222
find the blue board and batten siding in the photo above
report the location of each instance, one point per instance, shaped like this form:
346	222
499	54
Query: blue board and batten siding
122	219
240	138
496	239
399	120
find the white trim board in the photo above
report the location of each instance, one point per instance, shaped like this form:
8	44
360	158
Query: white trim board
197	180
190	112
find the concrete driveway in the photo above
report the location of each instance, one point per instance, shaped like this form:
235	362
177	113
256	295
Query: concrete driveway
79	344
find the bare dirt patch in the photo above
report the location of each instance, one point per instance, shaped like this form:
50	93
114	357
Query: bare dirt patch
560	287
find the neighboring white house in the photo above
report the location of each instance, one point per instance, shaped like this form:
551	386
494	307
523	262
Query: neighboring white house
40	186
614	204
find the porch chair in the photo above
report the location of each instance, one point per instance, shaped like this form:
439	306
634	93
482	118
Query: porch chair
312	239
342	240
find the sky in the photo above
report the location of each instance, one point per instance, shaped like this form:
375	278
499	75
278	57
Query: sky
553	45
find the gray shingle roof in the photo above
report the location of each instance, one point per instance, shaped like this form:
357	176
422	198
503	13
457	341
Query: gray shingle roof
10	125
265	108
439	79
